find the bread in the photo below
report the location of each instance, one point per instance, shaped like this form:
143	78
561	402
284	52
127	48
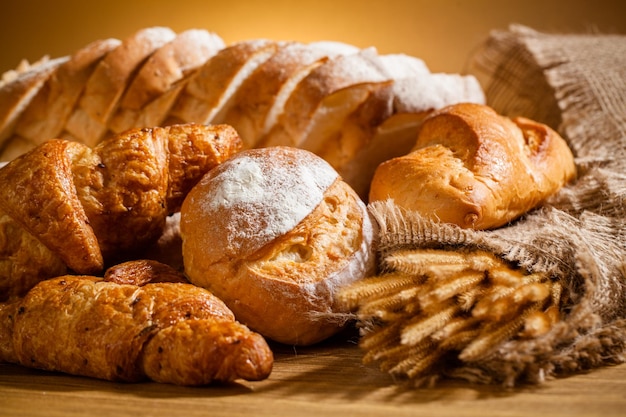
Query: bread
152	92
324	99
66	205
396	135
170	332
331	98
18	88
275	232
209	91
60	92
265	90
143	271
100	98
475	168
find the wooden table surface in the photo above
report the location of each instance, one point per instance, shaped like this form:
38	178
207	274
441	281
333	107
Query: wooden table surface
320	381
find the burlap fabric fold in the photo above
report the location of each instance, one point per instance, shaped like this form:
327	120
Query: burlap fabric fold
575	83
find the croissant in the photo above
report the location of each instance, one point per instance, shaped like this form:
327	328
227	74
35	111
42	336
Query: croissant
66	207
169	331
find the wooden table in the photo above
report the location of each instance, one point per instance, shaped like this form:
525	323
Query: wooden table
321	381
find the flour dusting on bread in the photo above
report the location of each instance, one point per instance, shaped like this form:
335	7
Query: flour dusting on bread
263	197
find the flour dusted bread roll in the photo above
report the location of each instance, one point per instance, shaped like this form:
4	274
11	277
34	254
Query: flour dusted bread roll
274	233
475	168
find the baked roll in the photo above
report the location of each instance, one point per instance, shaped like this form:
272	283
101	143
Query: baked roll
475	168
275	233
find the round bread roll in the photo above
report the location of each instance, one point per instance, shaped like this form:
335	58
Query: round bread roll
275	233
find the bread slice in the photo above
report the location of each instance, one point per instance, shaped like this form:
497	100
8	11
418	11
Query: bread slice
211	88
88	123
323	99
334	48
17	89
394	135
257	94
329	50
153	91
153	114
434	91
47	113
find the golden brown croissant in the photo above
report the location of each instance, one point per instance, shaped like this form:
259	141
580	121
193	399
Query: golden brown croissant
169	332
68	207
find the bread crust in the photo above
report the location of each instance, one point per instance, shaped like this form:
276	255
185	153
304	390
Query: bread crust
282	283
42	200
24	261
475	168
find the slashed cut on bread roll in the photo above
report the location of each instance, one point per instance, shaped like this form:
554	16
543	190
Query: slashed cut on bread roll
275	232
475	168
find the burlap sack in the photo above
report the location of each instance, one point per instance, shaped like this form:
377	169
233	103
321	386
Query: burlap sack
576	84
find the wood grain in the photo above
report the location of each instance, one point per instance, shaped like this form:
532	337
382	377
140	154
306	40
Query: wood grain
319	381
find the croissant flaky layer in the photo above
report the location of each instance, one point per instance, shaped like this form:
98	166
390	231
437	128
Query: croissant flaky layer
65	206
171	332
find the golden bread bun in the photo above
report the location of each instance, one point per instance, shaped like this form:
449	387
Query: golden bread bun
275	232
475	168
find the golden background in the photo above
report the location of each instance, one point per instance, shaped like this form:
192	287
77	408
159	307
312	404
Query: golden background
443	33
